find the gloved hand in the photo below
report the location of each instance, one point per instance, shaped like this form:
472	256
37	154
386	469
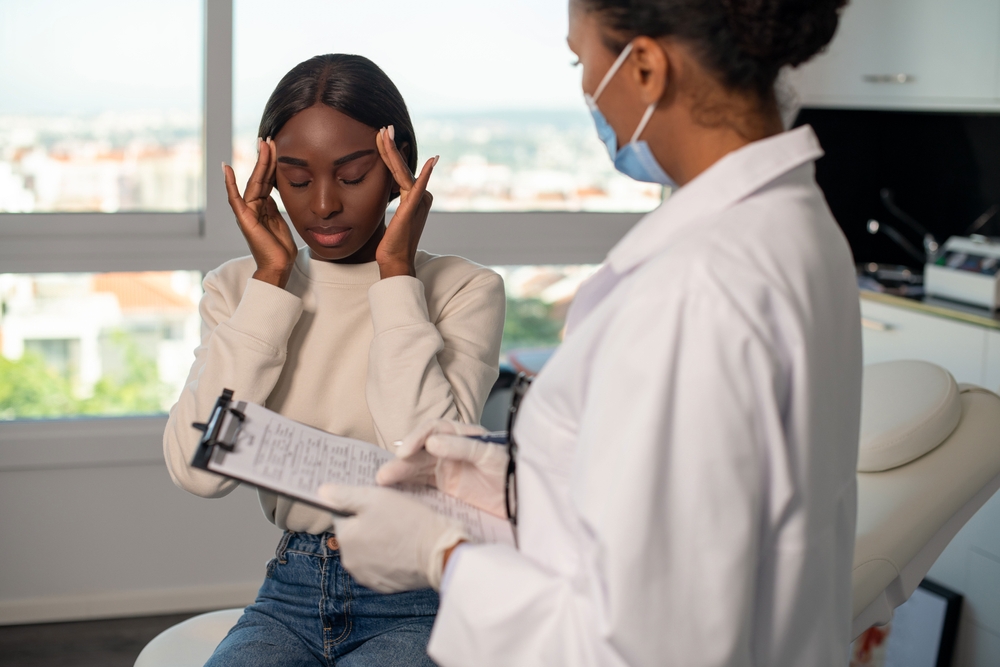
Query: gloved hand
438	454
392	542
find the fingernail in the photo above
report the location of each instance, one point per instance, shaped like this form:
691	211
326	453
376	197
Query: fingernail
392	133
269	140
223	168
258	144
436	158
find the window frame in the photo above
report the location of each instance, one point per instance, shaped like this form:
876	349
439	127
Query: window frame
202	240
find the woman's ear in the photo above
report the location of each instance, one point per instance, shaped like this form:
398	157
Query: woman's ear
650	68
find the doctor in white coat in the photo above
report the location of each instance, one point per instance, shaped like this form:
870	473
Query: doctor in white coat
685	462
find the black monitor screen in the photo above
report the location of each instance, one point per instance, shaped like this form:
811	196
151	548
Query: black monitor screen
942	169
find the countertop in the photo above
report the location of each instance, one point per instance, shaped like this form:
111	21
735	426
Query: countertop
951	310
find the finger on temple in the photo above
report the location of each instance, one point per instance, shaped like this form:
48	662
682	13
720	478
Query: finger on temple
394	160
272	167
255	184
425	175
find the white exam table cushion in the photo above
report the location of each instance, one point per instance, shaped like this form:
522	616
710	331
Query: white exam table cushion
909	408
908	515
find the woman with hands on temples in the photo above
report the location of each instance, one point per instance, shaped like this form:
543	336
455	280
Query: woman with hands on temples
359	333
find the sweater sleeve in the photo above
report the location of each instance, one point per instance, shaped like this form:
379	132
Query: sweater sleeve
419	369
242	349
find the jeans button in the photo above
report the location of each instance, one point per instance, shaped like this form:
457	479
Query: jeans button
332	544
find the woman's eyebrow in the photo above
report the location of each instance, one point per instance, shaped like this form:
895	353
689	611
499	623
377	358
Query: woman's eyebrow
299	162
352	156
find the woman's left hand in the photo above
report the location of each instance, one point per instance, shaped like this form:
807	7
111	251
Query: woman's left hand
396	251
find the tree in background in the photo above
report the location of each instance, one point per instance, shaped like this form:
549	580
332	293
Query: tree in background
136	390
530	323
29	389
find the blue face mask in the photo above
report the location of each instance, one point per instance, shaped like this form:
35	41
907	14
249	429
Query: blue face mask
634	159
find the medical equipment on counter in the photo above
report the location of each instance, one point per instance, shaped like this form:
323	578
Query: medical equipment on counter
929	458
966	270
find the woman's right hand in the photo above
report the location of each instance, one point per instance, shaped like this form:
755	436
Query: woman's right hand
266	232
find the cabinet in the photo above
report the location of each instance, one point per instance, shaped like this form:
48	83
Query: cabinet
890	333
991	374
916	54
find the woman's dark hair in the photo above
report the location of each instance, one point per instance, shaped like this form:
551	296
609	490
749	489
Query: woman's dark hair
745	42
353	85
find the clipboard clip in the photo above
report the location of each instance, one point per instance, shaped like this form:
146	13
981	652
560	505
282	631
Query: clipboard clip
212	430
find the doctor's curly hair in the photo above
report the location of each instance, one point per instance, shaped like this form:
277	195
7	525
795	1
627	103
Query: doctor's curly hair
745	42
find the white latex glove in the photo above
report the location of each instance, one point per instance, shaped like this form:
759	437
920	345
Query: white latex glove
438	454
392	542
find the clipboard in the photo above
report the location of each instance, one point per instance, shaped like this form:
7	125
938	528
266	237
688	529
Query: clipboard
213	433
256	446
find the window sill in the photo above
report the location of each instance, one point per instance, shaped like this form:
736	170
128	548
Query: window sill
81	443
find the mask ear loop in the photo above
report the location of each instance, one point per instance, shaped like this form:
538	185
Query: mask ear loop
642	123
611	72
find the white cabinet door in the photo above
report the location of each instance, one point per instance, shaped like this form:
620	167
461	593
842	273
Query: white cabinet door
908	54
991	374
892	333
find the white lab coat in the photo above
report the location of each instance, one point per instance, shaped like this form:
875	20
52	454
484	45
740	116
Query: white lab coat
687	457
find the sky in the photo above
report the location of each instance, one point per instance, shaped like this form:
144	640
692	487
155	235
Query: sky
86	57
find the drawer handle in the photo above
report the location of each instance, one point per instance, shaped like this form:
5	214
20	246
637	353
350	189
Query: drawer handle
889	78
875	325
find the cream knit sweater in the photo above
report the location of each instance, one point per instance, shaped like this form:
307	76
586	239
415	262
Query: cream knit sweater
343	351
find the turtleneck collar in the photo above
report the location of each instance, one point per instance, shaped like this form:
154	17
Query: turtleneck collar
322	271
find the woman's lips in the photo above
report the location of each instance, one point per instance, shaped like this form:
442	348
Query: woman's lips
329	236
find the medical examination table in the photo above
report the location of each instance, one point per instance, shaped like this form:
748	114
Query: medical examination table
928	459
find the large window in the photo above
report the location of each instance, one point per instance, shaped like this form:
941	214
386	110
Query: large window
110	111
100	107
538	298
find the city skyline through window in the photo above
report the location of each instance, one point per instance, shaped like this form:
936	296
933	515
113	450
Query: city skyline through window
107	117
490	87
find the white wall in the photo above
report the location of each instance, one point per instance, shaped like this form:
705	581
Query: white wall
90	539
971	566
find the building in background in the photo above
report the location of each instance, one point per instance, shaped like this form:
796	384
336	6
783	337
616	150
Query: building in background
95	344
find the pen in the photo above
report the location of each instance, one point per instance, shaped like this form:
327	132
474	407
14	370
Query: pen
493	437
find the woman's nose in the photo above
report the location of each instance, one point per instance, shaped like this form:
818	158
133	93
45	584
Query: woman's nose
325	202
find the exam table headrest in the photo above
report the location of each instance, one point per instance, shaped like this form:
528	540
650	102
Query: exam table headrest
908	512
910	407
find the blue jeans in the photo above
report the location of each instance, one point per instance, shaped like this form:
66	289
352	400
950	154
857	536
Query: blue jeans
310	611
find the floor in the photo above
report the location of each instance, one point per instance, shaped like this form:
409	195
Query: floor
106	643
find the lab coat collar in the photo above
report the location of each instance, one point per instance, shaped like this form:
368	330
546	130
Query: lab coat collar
731	179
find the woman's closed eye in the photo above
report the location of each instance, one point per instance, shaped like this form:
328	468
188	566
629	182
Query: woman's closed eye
354	172
297	178
353	181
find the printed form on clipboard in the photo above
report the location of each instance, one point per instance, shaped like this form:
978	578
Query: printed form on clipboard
251	444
